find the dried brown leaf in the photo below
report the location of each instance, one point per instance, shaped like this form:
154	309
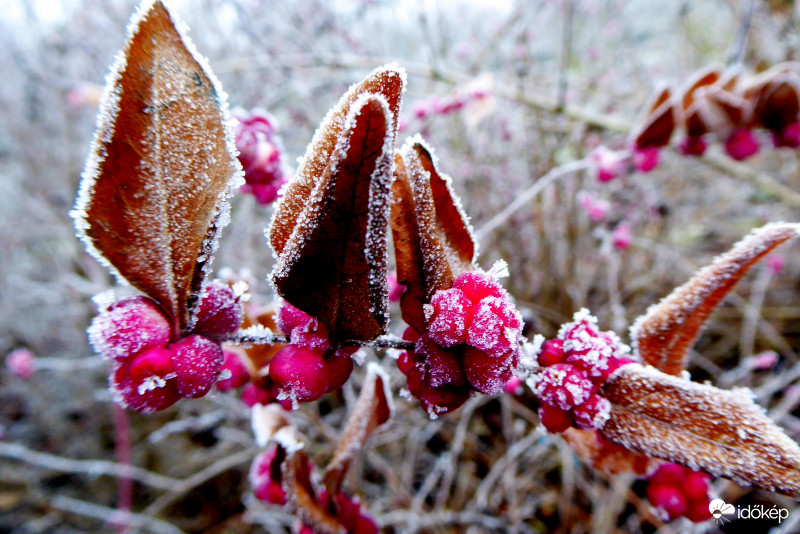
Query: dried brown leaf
333	266
432	237
656	127
664	335
705	428
372	409
609	458
154	194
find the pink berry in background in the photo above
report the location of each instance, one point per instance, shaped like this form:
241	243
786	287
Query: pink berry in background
448	316
741	145
253	394
477	286
554	419
596	209
129	326
693	146
775	263
669	500
564	386
197	362
420	109
233	366
789	137
496	326
299	373
552	352
621	236
219	312
340	367
646	159
593	413
396	289
608	164
487	373
259	154
146	383
21	363
515	386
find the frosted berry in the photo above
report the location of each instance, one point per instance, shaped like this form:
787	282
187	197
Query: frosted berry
304	331
340	367
299	373
496	326
646	159
448	316
197	362
260	155
693	146
219	312
477	286
554	419
608	164
441	365
146	383
593	413
669	500
552	352
741	145
487	373
237	372
265	477
515	386
564	386
439	401
128	327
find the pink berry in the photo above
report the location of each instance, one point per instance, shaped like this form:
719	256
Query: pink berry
21	363
496	326
304	331
564	386
448	316
552	353
477	286
340	367
259	154
442	366
233	366
219	313
646	159
669	474
265	477
698	511
439	401
406	361
197	361
621	236
554	419
128	327
515	386
693	146
145	383
741	145
254	394
593	413
299	373
609	164
487	373
695	486
396	289
788	137
669	500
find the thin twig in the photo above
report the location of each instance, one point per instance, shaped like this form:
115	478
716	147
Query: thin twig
112	516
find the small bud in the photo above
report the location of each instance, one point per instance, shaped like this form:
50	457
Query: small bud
608	164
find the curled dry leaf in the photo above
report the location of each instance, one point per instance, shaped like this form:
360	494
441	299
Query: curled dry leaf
333	266
372	409
154	194
432	237
300	494
656	127
775	96
705	428
663	336
605	456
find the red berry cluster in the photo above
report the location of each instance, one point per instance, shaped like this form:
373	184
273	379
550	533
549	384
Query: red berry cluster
472	343
154	367
260	155
304	370
575	366
678	491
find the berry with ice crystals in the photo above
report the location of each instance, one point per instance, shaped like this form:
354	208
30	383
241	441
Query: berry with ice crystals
238	374
487	373
477	286
146	383
128	327
196	360
564	386
552	352
448	316
669	500
496	326
304	331
554	419
593	413
219	312
300	374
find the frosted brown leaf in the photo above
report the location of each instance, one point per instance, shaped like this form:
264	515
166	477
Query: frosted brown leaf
154	193
723	433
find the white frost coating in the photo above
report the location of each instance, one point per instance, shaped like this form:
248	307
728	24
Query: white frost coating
406	149
104	300
499	270
106	119
677	306
257	330
359	356
528	361
288	438
266	421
